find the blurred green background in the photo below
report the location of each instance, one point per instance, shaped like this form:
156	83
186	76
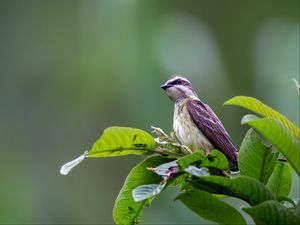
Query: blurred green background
69	69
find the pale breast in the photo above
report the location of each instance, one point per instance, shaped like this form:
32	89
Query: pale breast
186	131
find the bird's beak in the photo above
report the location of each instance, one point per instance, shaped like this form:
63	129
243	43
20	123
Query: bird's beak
165	86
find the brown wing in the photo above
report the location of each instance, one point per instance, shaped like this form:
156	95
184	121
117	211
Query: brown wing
210	125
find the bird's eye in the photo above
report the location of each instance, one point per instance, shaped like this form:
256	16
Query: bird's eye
178	82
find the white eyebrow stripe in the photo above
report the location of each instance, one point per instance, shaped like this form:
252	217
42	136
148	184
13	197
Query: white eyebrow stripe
178	77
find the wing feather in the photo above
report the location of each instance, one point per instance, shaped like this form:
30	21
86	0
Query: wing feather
210	125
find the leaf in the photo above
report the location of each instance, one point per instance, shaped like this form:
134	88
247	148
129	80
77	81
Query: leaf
272	212
67	167
178	180
249	117
260	108
211	208
297	86
245	188
286	201
146	191
195	171
281	180
165	170
215	160
119	141
255	159
126	210
297	208
281	137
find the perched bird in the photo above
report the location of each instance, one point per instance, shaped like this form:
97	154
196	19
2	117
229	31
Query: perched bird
194	122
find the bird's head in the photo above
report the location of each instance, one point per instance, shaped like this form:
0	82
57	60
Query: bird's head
178	88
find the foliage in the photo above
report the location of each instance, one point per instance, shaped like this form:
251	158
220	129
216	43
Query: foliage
119	141
280	136
255	158
260	108
126	209
281	180
205	205
245	188
272	212
264	180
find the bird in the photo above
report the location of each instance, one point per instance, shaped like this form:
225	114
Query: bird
194	123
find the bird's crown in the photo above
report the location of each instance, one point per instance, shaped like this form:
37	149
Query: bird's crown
178	79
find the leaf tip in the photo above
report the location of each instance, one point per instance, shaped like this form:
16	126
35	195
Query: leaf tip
247	118
233	100
297	86
67	167
228	102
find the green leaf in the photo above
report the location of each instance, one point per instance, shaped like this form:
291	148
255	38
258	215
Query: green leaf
286	201
211	208
178	180
297	208
245	188
272	212
215	160
126	210
255	159
260	108
281	180
281	137
119	141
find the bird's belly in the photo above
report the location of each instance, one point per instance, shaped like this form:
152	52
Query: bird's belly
188	133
